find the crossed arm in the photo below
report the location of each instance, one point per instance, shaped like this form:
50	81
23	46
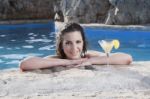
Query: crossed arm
93	58
39	63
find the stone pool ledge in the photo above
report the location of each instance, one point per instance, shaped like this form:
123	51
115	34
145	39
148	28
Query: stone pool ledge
91	25
132	27
60	25
2	22
121	82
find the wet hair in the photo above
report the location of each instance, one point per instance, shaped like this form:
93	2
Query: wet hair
70	27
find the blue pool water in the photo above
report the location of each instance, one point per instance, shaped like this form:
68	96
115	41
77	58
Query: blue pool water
134	42
22	40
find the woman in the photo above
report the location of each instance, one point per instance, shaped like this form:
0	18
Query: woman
72	51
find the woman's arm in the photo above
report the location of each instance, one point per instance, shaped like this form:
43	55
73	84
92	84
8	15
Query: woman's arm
114	59
38	63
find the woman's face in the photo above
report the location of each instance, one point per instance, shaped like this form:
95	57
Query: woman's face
72	45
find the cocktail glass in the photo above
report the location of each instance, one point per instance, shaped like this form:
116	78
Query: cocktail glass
107	46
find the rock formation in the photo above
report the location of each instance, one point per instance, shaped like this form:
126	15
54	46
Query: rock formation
26	9
85	11
120	12
129	12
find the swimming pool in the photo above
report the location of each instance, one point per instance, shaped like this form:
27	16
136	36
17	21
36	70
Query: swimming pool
22	40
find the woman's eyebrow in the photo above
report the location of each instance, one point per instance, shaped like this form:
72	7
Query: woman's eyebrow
67	40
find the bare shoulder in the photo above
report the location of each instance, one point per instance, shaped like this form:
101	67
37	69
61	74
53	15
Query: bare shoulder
92	53
52	57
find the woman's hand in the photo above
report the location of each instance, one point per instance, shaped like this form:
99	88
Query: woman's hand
83	64
80	62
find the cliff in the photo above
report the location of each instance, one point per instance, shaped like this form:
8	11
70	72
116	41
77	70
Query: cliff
120	12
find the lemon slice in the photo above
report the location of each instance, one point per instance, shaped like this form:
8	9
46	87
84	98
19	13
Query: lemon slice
116	44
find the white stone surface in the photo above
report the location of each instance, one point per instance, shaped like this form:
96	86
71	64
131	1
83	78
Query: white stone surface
121	82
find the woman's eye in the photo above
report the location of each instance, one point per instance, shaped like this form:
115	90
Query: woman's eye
67	43
78	42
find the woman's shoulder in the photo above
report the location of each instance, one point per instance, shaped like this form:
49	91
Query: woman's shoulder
93	53
52	56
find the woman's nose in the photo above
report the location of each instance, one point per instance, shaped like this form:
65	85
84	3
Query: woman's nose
74	47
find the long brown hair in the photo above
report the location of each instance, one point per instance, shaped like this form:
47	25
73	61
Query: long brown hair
70	27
